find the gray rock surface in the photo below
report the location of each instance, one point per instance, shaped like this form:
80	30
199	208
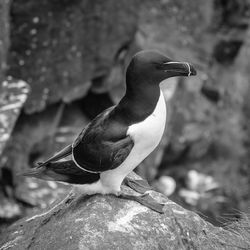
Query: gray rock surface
4	36
211	110
13	94
60	47
76	46
107	222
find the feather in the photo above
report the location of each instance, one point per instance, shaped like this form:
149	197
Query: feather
35	172
60	155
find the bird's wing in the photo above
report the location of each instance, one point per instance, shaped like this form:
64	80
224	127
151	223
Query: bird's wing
102	156
94	123
58	156
104	144
68	149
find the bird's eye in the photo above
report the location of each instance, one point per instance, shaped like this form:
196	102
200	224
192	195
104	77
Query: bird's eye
159	66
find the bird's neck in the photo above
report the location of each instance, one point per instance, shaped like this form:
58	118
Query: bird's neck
139	101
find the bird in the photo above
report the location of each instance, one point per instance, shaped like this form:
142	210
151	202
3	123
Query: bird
117	140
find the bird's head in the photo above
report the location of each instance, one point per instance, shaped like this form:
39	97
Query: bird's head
153	67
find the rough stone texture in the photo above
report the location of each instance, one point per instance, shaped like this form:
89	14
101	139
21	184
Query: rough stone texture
4	35
35	138
59	47
107	222
243	61
209	110
13	95
33	134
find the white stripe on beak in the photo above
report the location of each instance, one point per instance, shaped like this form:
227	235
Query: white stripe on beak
172	62
189	70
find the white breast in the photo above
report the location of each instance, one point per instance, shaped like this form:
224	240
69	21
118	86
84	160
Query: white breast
146	136
148	133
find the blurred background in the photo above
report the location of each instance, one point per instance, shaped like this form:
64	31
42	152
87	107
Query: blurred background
63	61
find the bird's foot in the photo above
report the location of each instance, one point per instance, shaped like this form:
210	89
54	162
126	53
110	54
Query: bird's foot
140	186
146	200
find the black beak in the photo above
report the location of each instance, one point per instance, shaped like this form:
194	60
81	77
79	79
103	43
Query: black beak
180	68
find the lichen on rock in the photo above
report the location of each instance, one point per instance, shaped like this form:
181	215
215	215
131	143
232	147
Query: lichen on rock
13	94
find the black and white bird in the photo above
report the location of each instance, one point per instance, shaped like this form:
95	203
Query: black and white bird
116	141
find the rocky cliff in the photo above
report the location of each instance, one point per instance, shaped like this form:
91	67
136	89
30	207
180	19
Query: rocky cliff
78	50
107	222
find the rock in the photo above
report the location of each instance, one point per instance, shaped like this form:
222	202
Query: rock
165	185
200	187
108	222
13	94
200	182
208	111
33	135
9	210
171	26
35	138
4	36
61	47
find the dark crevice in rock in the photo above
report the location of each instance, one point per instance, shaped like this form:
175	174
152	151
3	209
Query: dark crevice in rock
97	82
34	155
225	52
232	13
93	104
211	93
232	21
7	181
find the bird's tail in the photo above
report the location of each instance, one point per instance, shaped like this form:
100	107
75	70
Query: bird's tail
37	172
60	155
